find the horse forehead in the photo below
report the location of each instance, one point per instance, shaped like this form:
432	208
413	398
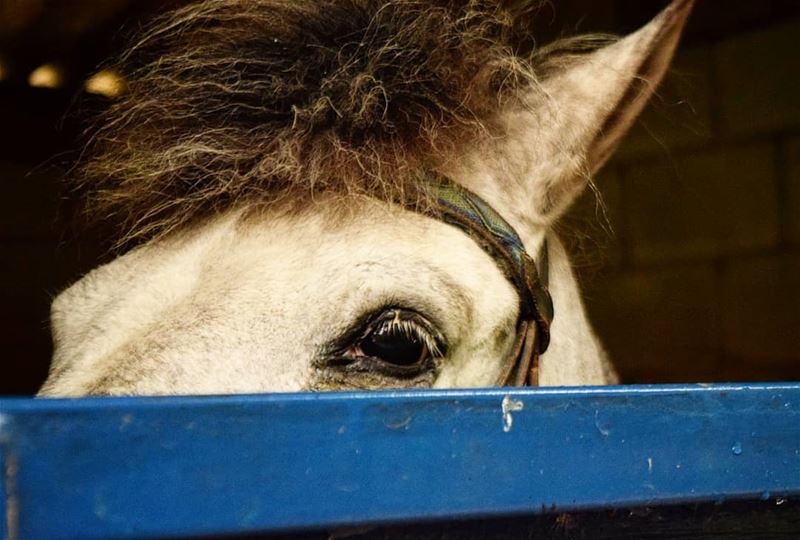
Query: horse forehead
306	258
266	292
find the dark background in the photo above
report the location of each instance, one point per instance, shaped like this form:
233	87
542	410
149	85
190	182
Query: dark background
690	258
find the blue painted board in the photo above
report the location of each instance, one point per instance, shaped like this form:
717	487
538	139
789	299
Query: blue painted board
150	467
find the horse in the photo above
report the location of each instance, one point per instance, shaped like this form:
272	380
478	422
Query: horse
347	194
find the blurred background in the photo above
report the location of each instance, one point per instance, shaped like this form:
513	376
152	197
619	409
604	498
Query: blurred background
688	251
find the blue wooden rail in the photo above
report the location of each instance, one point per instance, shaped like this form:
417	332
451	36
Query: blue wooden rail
150	467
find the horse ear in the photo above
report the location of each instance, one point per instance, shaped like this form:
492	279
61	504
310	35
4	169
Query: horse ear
573	120
588	107
605	92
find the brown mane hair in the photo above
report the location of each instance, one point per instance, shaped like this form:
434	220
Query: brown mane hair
235	102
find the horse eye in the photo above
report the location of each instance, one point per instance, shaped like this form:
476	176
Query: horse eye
395	345
396	342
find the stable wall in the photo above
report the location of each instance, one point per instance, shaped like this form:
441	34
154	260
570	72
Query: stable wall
692	265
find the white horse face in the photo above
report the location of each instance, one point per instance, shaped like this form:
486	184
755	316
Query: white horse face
377	297
289	303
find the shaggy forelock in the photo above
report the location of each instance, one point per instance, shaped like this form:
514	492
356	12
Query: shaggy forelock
253	102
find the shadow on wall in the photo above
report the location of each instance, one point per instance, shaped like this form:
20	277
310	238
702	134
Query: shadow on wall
691	268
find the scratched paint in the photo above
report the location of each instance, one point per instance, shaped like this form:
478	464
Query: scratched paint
602	427
508	406
10	470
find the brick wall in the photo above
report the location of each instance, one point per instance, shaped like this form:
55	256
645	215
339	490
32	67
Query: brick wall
692	271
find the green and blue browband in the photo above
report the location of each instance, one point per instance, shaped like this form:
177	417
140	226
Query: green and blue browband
460	207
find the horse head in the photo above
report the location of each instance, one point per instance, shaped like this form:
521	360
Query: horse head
276	165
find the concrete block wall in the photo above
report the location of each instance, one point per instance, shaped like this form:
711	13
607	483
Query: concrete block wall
693	273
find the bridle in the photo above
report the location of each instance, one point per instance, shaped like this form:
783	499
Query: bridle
457	206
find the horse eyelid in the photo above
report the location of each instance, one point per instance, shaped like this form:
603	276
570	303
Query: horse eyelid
365	323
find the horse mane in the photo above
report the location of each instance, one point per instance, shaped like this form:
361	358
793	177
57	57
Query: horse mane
256	102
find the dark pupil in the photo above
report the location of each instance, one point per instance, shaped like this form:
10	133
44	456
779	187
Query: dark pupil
393	346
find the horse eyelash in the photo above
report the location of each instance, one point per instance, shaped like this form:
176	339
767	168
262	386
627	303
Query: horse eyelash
368	323
413	329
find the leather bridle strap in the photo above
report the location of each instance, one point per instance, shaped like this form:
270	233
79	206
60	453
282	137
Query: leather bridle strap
464	209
